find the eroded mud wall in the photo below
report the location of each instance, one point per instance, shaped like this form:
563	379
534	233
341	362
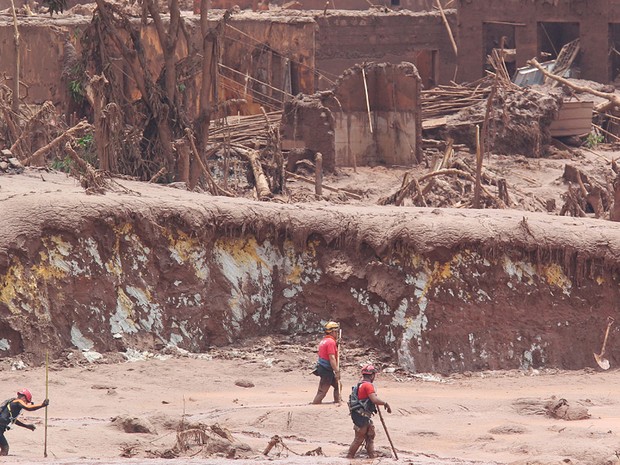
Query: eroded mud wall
436	289
592	16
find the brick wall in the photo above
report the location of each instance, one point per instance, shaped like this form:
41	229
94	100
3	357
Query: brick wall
593	16
347	38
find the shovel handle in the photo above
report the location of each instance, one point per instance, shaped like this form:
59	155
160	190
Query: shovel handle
610	321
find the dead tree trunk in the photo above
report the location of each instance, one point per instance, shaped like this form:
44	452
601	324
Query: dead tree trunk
16	77
162	112
262	186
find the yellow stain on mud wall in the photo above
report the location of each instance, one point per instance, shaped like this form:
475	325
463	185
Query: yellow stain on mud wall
125	303
555	275
298	261
113	265
184	245
11	284
243	251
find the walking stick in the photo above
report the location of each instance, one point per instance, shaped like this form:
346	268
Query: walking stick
338	361
46	396
387	434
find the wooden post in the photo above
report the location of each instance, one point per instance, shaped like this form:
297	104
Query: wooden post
47	394
447	24
367	99
478	169
318	183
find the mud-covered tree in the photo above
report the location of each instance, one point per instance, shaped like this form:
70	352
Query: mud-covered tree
139	113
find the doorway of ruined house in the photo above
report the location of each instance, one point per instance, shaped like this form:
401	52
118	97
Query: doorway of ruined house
426	63
500	36
614	51
552	36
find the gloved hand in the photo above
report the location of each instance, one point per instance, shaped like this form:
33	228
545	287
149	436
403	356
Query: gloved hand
387	407
31	427
46	402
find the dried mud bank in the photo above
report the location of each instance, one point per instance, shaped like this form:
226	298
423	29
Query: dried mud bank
441	290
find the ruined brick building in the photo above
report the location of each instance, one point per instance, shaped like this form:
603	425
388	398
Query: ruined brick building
539	28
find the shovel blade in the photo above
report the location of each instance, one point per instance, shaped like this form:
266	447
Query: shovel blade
602	362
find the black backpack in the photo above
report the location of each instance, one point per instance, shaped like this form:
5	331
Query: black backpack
5	415
355	404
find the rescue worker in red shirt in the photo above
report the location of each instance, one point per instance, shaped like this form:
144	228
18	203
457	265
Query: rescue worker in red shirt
327	366
362	410
9	411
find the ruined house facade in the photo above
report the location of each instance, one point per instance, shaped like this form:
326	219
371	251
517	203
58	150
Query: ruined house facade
371	117
539	29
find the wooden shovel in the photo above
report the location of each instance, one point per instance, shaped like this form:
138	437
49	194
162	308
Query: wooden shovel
603	362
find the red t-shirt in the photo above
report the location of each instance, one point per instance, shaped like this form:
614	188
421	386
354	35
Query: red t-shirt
328	346
366	388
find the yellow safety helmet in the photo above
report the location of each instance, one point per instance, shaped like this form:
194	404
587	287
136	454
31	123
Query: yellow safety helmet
332	326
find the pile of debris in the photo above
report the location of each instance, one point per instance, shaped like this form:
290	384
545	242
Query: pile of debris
451	182
9	164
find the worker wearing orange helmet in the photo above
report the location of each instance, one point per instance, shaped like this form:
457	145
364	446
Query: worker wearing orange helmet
362	406
9	411
327	366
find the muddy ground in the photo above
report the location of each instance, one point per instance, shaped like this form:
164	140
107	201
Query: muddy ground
484	417
469	418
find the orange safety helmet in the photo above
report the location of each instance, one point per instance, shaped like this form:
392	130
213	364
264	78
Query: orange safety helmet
26	393
369	370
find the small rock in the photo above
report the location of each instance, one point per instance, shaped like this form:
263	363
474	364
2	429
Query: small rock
4	166
7	153
134	424
244	383
15	163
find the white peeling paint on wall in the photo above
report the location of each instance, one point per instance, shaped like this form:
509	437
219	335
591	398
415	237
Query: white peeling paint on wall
528	356
376	310
79	340
90	245
412	329
524	272
299	268
122	320
247	265
150	314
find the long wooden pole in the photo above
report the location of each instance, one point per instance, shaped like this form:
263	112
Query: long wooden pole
448	28
338	363
478	169
47	397
367	99
387	433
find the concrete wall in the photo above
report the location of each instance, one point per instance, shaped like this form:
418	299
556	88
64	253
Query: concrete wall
594	18
348	38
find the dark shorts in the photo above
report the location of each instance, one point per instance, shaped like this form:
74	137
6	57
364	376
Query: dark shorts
360	420
323	372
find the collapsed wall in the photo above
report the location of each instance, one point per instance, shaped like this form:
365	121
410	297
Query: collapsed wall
438	290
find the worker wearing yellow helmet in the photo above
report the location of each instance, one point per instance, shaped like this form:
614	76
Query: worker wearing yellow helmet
327	366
